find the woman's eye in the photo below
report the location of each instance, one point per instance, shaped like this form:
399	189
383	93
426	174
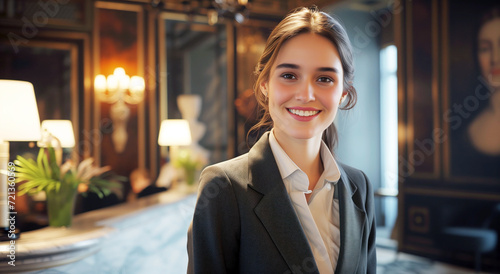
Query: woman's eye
325	79
288	76
484	47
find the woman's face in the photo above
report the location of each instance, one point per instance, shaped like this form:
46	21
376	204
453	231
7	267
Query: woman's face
489	51
305	86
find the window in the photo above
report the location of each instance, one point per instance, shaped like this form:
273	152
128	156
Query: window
389	130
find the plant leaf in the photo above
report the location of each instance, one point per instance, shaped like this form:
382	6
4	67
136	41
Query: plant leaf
54	167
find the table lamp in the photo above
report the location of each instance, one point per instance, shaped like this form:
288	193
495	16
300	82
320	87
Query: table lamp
174	133
57	134
19	121
60	129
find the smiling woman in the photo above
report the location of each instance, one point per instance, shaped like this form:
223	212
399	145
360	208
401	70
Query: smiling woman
288	205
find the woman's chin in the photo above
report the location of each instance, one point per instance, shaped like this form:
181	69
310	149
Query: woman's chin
303	134
494	81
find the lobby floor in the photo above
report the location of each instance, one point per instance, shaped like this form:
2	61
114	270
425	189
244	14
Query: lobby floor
389	261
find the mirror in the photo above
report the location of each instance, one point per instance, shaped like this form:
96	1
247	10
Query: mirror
195	59
52	69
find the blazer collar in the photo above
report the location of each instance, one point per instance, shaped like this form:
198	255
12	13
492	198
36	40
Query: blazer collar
275	209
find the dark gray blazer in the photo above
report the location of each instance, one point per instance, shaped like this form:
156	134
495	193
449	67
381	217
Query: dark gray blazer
244	221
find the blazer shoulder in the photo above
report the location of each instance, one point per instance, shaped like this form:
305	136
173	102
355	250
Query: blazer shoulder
230	171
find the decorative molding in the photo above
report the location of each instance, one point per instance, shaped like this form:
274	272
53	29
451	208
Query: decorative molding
418	219
452	194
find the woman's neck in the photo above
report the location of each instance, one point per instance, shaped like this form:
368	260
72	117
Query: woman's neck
305	153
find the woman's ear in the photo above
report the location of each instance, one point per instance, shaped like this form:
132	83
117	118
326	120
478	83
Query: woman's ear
344	95
264	88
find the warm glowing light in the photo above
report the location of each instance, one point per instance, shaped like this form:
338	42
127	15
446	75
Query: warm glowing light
137	84
174	132
124	81
100	83
62	130
119	72
19	120
112	83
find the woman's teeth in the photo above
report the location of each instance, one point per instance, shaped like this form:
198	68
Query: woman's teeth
303	113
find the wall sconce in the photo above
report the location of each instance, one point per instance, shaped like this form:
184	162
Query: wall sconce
19	121
118	89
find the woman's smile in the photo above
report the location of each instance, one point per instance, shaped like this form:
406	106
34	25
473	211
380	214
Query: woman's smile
303	114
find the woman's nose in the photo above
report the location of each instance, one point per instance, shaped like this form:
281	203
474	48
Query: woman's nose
496	54
305	92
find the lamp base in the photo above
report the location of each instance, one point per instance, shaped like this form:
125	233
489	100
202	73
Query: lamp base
7	235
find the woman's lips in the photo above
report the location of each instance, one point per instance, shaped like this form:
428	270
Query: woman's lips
495	72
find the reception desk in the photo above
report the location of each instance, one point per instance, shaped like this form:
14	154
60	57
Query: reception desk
145	236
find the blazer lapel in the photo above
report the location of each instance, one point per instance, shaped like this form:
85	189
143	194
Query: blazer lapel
352	223
275	209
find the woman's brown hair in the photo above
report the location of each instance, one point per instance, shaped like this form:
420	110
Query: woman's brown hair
305	20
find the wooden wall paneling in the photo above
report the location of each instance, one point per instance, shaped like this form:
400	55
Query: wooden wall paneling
419	123
152	80
232	145
58	14
421	225
162	73
445	84
119	32
404	172
422	83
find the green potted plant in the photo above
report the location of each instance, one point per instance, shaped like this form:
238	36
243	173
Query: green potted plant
189	164
61	182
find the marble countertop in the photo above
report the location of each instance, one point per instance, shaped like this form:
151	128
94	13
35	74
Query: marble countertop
51	246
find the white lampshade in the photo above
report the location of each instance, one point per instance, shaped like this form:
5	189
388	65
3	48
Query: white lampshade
62	130
174	132
19	119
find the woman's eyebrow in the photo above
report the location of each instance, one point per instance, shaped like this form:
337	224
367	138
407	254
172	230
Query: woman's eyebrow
328	69
287	65
294	66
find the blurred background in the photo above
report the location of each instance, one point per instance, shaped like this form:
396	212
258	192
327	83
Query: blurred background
425	130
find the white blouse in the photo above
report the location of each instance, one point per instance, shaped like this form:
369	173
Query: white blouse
320	218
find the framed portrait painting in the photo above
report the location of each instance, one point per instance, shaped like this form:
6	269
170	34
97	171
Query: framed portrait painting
471	106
